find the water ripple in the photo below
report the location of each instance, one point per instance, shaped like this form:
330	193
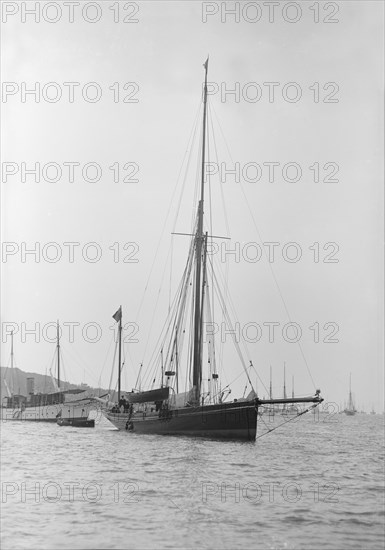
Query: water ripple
313	484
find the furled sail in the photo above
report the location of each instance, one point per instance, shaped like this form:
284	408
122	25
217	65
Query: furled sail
160	394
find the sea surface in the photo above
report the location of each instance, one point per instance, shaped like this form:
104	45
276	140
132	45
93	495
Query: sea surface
317	482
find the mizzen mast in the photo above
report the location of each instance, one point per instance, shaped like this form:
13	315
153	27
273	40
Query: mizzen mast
118	318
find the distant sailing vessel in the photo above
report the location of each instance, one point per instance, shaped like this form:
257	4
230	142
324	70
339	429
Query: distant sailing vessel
66	407
350	409
201	410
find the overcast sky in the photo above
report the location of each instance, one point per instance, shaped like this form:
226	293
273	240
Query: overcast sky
335	127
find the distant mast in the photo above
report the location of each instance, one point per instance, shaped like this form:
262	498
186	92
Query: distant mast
12	375
12	350
58	354
350	405
271	385
198	307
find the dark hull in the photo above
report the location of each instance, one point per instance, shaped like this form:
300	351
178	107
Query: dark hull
76	422
234	421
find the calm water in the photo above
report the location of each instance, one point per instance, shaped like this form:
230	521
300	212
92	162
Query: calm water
311	484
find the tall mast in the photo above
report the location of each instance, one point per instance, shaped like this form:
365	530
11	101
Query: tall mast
12	376
120	352
58	354
197	365
284	381
204	276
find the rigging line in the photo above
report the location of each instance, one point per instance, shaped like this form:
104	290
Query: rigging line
16	371
228	318
229	384
50	368
196	189
229	321
155	309
164	331
180	303
289	420
63	376
107	355
137	383
269	264
198	182
168	321
127	353
227	299
209	119
150	370
180	348
170	279
113	365
189	151
179	318
211	352
45	380
46	369
80	362
192	138
256	372
193	299
227	225
227	266
124	357
245	347
211	341
167	216
208	177
263	420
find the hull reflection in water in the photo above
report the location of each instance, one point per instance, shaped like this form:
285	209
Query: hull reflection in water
223	421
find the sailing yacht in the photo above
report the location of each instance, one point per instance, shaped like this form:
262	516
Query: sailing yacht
350	409
66	407
201	410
